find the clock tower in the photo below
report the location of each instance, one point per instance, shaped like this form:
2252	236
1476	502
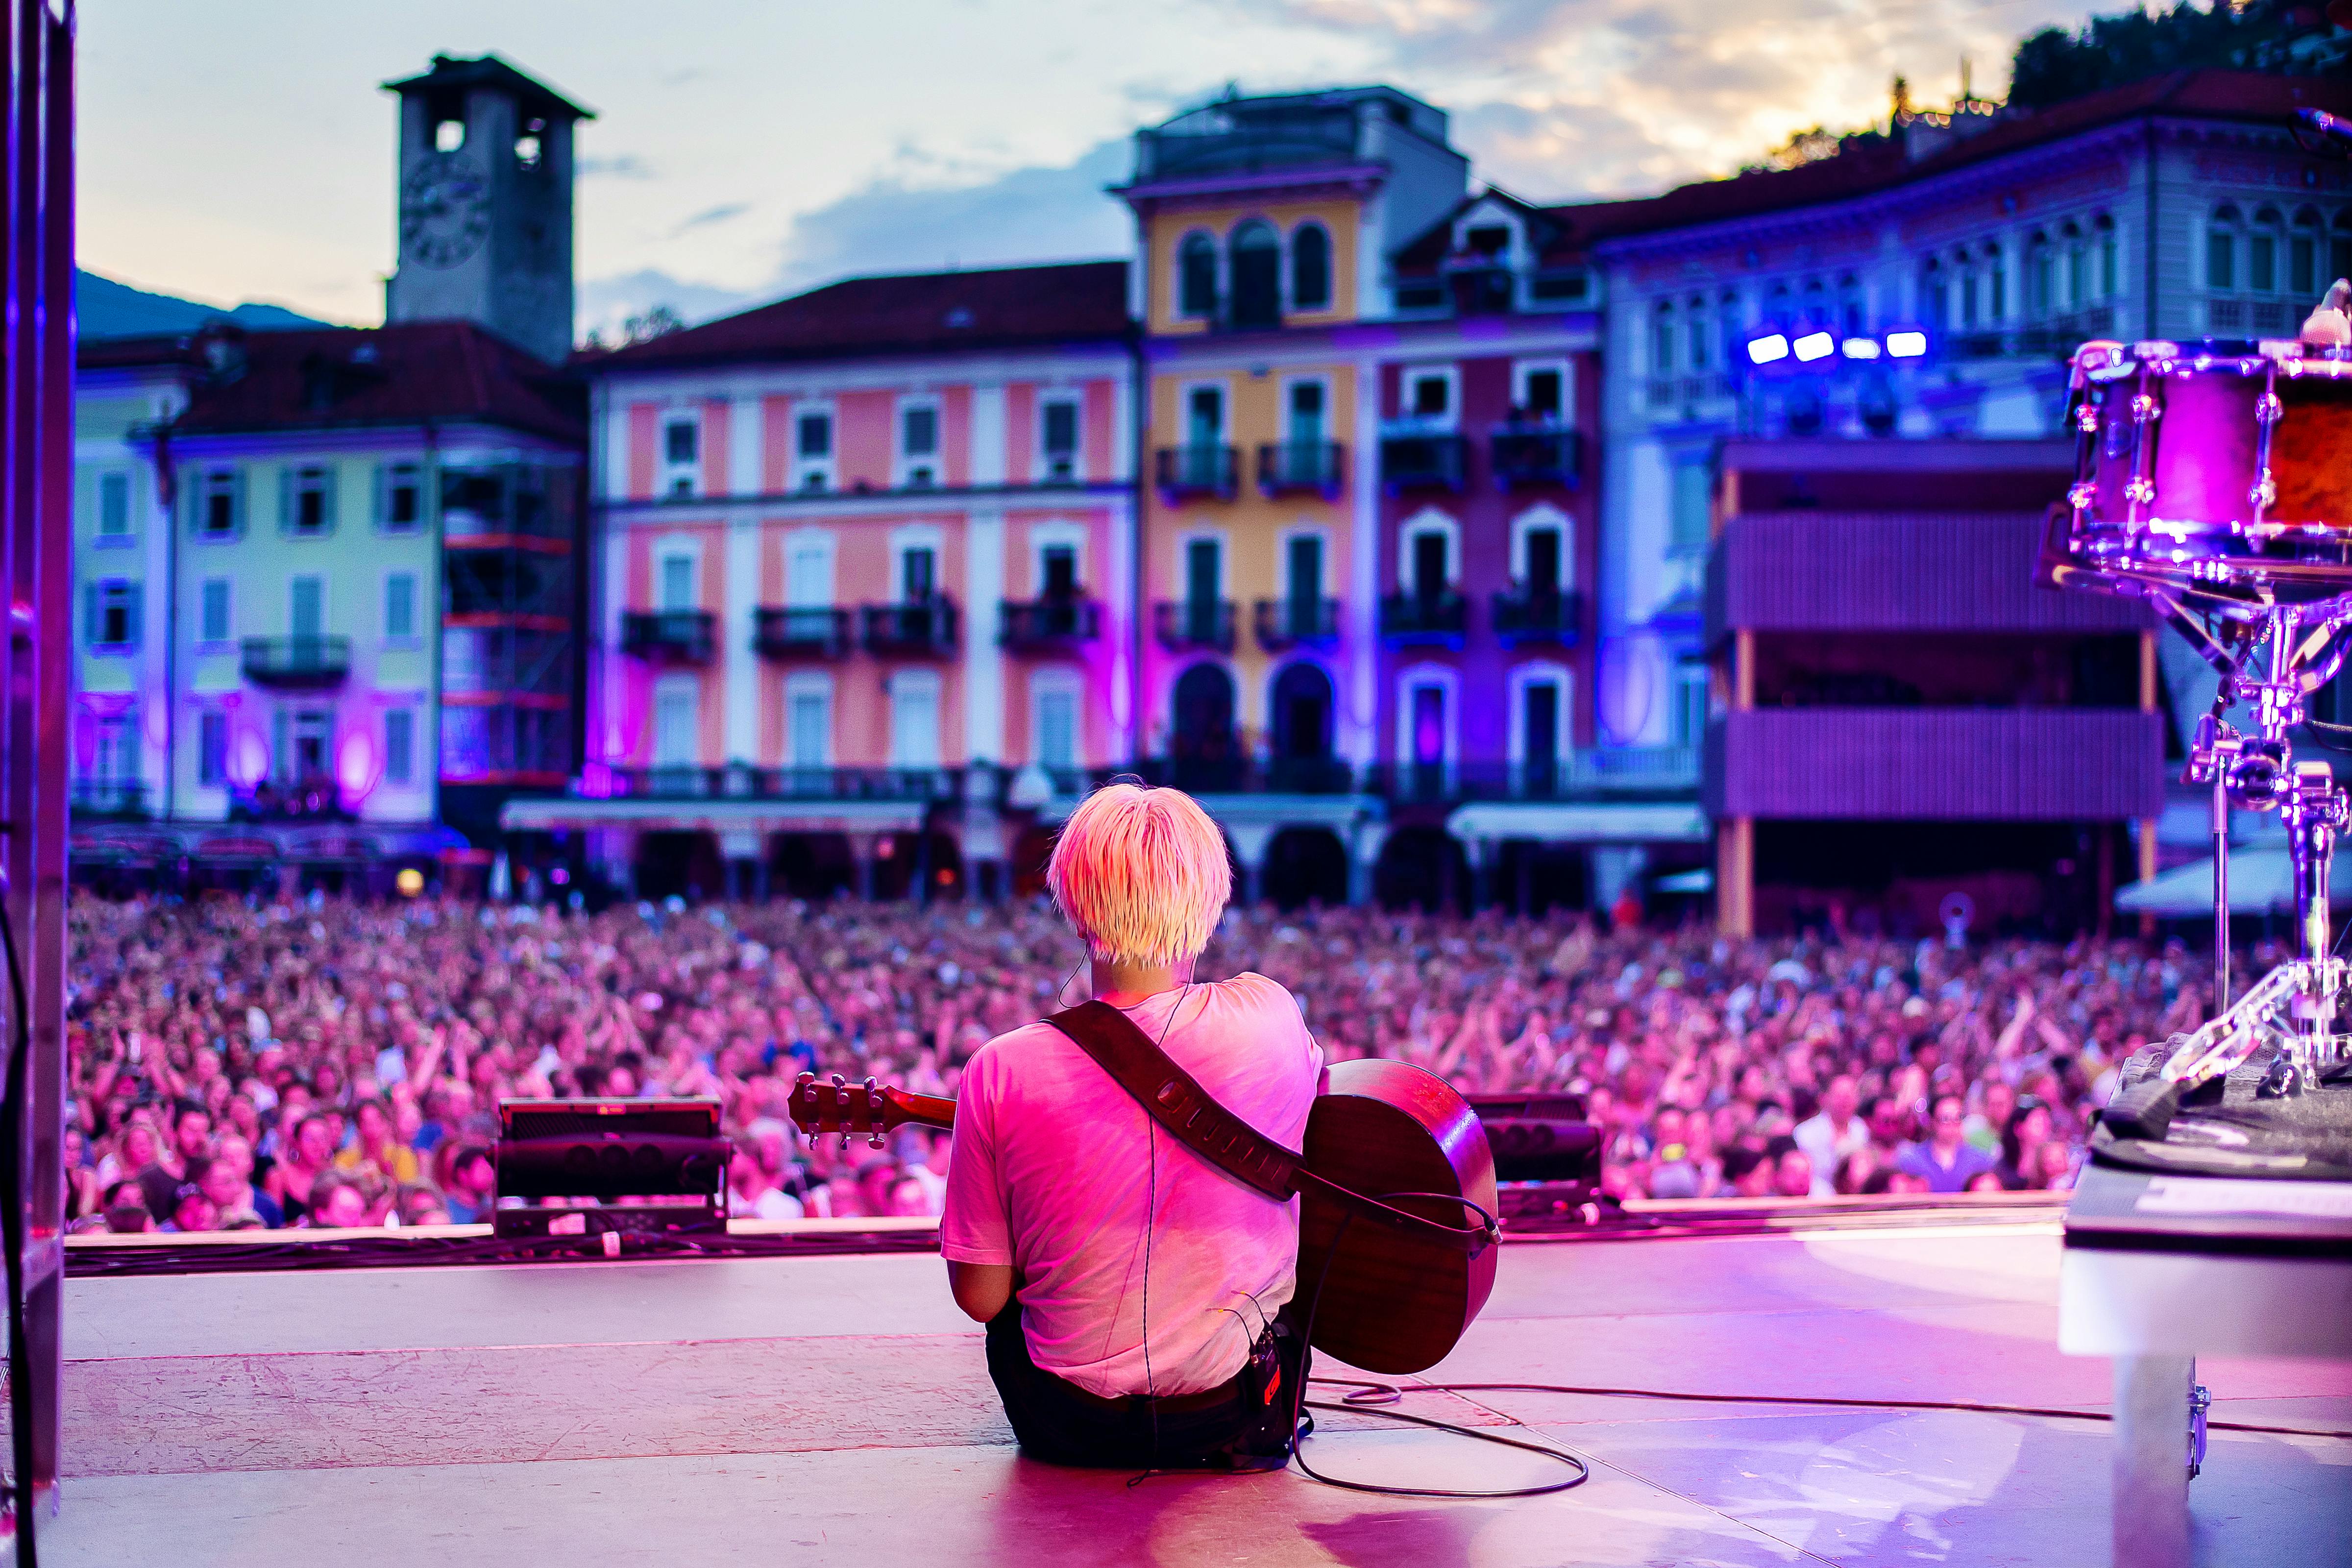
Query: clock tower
485	195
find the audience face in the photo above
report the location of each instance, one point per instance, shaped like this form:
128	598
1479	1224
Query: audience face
1794	1177
1951	1115
1671	1040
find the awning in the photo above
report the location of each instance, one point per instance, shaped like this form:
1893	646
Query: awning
1593	822
2261	881
716	814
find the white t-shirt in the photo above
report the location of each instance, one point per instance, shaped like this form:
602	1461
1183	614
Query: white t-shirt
1056	1168
1828	1148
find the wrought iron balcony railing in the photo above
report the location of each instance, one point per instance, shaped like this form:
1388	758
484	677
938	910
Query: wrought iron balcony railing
921	628
1042	625
1288	466
1185	473
801	632
686	635
1422	616
1291	623
1523	457
739	780
1411	460
1195	624
1538	616
296	662
122	799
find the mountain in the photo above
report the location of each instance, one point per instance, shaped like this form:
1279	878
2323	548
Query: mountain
109	309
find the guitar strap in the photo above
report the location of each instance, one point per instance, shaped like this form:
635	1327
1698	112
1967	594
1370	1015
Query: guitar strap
1175	1100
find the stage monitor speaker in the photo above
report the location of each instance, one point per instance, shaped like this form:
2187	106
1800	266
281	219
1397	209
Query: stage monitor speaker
1547	1156
586	1167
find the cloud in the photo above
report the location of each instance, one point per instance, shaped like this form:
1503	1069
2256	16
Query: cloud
621	166
603	303
901	222
710	215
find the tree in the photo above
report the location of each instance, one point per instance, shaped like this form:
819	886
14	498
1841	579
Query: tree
2054	66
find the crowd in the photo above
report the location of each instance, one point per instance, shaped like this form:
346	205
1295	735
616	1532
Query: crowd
322	1062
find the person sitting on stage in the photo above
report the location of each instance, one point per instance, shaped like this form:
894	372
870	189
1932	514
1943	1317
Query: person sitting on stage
1126	1282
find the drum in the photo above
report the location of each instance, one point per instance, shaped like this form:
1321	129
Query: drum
2214	463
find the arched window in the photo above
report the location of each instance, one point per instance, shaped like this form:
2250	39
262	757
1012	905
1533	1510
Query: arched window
1310	268
1850	306
1662	339
1996	283
2222	252
1697	351
1730	320
2303	252
1777	312
1196	276
1257	276
1934	306
1965	271
2339	247
2078	267
2263	252
1816	309
2111	266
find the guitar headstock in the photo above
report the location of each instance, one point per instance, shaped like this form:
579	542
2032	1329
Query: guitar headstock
865	1109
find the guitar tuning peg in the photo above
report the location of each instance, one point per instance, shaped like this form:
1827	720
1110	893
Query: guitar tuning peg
839	1081
873	1141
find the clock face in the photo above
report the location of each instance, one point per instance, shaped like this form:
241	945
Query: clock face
444	210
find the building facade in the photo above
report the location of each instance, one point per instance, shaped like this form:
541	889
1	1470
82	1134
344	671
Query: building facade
864	591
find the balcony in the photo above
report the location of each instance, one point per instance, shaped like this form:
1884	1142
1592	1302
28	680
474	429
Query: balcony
1286	467
801	632
1055	623
739	780
1421	617
1524	457
1413	460
1221	772
312	797
1188	473
117	800
1538	616
1297	623
684	637
2046	764
925	629
303	663
1182	624
1602	774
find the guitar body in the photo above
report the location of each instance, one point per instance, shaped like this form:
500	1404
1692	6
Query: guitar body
1392	1301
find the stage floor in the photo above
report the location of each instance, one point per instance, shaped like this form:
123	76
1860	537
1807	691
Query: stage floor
836	1410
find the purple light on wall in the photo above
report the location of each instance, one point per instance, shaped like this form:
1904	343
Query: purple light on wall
249	758
357	766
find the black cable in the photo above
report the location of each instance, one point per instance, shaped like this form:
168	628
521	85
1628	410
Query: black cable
12	1237
1299	1403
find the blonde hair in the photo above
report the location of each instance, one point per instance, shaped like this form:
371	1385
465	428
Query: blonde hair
1140	874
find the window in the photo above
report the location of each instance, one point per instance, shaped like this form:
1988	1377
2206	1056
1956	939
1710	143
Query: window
1694	501
1310	268
1303	573
677	741
448	135
2303	255
808	721
399	746
1662	340
113	506
220	503
1057	572
1196	276
2110	259
1257	276
309	503
1429	394
1997	285
212	611
915	718
681	456
812	437
1058	425
399	497
917	574
808	572
307	606
302	745
1304	413
2222	252
1544	558
2262	254
212	750
918	445
1431	567
400	606
678	583
1541	394
1690	712
2040	278
1056	722
1539	730
1695	345
1425	733
2339	247
1934	301
113	614
1204	588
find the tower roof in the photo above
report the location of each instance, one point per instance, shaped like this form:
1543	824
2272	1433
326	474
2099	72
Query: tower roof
449	72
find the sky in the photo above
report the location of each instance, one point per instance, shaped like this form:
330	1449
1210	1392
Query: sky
744	150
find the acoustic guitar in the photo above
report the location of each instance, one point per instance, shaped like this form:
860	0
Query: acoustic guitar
1395	1299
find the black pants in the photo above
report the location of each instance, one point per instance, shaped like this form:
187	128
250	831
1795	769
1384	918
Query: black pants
1065	1426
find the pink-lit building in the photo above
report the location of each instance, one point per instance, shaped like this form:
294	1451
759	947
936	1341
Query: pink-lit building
861	593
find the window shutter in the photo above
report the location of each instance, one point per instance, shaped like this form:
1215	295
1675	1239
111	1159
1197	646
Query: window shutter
286	499
380	503
236	502
134	608
90	625
330	493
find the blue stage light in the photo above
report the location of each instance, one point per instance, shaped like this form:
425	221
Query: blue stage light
1859	348
1767	349
1816	346
1906	345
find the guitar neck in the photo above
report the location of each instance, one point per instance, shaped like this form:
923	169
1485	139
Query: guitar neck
924	1110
